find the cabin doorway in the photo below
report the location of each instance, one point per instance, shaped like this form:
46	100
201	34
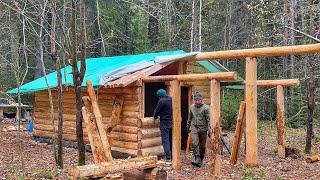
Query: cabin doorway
151	100
150	97
184	116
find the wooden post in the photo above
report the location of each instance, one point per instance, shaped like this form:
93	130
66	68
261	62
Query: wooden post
251	112
190	100
176	128
98	116
1	112
215	126
281	122
238	134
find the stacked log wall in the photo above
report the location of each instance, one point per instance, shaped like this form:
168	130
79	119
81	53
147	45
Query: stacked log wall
124	137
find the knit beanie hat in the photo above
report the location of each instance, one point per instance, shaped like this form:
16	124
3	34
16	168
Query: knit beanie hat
197	96
161	93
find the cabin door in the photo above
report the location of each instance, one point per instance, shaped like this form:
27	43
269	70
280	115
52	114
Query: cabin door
184	116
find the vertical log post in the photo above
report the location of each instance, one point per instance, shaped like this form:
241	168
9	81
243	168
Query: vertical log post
190	100
176	129
215	126
251	112
238	134
1	113
280	122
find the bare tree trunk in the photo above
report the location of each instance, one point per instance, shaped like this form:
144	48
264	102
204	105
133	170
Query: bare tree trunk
286	42
39	53
192	27
78	75
153	25
127	45
100	32
56	60
311	84
310	111
200	26
195	29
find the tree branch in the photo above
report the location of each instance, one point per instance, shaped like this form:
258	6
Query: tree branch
303	33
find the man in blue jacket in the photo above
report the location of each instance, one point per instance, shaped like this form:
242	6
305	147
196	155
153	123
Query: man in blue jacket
164	110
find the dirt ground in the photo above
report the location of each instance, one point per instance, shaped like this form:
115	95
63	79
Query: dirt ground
38	161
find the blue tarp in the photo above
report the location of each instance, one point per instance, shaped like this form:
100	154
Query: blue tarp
103	69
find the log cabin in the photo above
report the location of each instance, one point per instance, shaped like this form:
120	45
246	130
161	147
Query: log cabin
121	77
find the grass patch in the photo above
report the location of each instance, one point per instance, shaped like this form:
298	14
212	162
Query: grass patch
47	174
249	174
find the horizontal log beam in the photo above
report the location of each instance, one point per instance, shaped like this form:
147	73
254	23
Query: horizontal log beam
259	52
104	168
267	83
193	77
279	82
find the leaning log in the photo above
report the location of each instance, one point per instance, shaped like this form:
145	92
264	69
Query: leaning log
98	118
116	111
104	168
96	146
238	134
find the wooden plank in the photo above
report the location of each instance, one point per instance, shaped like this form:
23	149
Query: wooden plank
238	134
98	118
126	80
259	52
176	129
192	77
251	112
116	110
215	126
281	122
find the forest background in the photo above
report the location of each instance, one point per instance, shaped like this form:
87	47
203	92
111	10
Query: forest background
119	27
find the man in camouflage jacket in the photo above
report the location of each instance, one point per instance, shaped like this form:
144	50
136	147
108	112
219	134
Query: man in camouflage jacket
199	127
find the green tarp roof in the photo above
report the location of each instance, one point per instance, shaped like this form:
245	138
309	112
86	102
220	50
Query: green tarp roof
96	67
